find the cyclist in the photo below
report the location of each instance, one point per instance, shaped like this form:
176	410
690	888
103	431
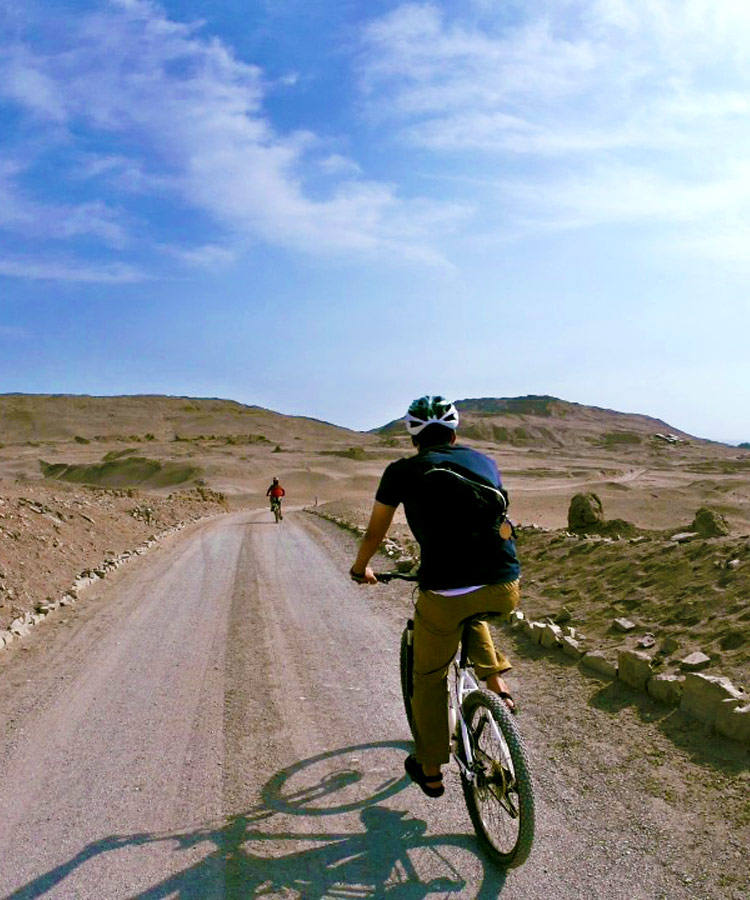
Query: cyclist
462	572
276	492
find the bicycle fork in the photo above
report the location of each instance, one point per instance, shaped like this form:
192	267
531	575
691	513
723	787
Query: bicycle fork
461	743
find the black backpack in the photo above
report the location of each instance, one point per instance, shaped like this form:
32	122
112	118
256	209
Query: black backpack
453	502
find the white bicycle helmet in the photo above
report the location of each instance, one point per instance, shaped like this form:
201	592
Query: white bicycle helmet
430	410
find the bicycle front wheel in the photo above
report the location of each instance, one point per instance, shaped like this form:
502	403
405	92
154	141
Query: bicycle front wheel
500	795
407	670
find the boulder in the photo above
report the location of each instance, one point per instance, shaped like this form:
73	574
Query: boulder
683	537
534	631
709	523
572	648
666	688
565	615
634	668
694	662
733	720
551	635
623	625
648	640
5	638
516	618
585	510
702	695
599	663
19	627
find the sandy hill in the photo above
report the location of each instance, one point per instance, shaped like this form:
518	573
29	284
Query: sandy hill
548	422
51	417
157	443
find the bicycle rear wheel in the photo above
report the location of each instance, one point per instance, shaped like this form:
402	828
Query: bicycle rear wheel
407	669
500	797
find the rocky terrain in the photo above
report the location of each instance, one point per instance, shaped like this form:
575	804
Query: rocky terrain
54	536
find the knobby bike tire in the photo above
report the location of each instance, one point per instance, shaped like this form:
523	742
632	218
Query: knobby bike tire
512	851
407	674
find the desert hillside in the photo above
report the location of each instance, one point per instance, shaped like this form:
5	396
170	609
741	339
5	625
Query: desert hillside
549	423
54	417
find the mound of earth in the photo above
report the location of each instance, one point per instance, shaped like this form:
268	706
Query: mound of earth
689	596
122	471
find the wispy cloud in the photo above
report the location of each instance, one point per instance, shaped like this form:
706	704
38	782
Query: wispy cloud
191	115
207	256
588	111
56	221
47	269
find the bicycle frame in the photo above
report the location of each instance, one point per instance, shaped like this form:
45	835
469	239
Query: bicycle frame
464	684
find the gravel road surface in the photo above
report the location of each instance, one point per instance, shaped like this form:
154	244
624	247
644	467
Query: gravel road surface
222	719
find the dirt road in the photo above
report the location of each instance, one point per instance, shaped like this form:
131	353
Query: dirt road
223	720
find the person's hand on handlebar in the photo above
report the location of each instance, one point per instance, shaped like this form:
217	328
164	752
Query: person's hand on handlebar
380	519
365	577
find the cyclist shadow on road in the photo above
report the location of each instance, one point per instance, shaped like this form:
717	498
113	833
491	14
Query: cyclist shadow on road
253	855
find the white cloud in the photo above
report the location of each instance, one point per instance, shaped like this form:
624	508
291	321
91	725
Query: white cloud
335	164
191	114
606	111
620	193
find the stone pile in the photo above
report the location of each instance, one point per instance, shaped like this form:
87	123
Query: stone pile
711	699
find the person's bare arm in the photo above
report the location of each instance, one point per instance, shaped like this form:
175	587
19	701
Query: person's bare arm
380	521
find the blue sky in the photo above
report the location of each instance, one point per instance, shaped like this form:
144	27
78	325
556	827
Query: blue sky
329	208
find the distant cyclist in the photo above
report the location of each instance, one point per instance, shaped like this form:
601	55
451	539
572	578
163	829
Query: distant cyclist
276	492
468	566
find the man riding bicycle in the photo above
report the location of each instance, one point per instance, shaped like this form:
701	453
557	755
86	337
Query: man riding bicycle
276	492
468	566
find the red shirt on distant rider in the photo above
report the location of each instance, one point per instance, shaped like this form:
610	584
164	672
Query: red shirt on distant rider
276	492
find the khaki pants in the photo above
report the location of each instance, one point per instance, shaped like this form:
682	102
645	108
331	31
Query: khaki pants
437	633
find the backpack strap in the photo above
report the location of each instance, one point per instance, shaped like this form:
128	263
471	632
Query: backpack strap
490	492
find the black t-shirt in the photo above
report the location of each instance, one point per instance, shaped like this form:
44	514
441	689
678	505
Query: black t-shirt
455	552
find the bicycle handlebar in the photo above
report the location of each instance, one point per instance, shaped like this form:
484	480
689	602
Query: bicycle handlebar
385	577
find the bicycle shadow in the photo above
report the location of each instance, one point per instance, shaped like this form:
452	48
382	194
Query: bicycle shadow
251	855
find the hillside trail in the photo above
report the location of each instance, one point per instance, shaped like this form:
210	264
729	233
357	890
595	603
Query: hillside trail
223	719
551	485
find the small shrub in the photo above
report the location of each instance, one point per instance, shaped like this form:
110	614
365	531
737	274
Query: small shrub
81	440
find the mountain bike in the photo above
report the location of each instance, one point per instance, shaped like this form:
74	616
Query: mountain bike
488	749
276	509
